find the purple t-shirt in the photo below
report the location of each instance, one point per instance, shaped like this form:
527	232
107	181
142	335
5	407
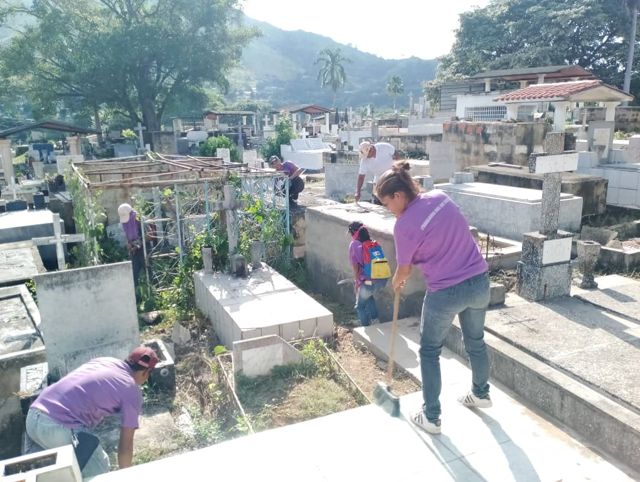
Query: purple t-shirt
356	257
433	234
93	391
289	167
132	227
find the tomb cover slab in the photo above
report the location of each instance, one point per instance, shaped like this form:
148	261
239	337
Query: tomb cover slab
265	303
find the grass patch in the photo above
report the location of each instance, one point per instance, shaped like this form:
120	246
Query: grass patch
295	392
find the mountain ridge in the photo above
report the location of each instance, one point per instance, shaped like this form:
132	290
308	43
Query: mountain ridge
278	67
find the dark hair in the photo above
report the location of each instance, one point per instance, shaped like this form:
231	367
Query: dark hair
363	232
397	179
136	367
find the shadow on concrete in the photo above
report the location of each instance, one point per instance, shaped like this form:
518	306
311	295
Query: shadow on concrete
597	319
519	464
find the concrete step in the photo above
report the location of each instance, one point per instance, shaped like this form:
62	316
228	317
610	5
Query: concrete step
597	419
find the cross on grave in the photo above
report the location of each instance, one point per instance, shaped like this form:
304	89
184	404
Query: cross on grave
229	212
140	128
59	240
544	270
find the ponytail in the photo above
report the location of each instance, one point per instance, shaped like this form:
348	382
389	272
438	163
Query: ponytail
397	179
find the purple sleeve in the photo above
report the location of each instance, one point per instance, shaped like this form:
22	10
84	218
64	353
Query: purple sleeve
131	408
405	246
355	252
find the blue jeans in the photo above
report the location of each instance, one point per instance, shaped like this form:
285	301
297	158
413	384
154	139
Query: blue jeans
366	303
469	300
49	434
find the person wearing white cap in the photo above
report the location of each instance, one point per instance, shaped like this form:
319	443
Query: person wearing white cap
374	159
131	226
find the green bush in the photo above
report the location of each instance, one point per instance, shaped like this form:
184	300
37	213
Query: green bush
284	134
208	149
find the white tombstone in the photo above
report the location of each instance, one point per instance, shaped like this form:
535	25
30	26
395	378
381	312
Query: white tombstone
87	313
7	161
224	153
75	148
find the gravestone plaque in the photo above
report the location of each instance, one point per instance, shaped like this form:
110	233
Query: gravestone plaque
87	313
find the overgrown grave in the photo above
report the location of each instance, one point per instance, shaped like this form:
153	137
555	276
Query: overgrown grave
314	387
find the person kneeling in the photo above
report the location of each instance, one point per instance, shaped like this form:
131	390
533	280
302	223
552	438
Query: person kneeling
66	412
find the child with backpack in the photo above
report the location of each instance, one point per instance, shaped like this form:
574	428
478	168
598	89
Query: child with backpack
370	272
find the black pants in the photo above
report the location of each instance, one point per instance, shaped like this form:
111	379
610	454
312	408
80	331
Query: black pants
296	186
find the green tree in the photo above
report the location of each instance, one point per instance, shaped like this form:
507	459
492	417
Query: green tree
395	87
332	73
209	147
134	56
530	33
284	134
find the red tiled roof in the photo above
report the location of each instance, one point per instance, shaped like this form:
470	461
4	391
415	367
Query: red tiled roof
550	91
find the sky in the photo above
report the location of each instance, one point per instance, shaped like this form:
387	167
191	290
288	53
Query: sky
392	29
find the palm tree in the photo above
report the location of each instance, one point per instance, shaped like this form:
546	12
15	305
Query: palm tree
331	71
395	87
632	7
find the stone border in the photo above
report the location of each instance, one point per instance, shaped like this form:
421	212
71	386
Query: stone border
602	422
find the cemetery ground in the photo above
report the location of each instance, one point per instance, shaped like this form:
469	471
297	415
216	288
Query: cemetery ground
203	410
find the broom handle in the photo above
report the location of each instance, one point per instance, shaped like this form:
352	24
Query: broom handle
394	332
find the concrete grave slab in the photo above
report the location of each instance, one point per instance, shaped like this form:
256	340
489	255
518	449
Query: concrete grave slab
26	225
87	313
20	261
257	356
507	442
616	294
20	346
520	208
19	320
549	386
262	304
586	331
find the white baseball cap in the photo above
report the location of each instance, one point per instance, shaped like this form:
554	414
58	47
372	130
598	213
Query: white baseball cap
124	211
365	147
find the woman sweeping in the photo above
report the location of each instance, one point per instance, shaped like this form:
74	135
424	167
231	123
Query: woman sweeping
432	234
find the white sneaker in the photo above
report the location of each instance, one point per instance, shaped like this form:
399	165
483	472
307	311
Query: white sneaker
419	419
471	401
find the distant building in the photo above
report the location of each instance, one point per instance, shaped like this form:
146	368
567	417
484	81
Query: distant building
473	99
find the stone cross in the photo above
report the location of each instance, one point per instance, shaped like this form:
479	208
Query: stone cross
59	240
140	137
544	270
551	167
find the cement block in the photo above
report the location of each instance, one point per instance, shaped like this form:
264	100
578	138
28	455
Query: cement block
163	375
258	356
54	465
97	318
629	180
627	197
538	283
498	294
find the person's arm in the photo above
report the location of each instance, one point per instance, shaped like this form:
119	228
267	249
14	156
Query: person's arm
125	447
401	276
359	186
296	173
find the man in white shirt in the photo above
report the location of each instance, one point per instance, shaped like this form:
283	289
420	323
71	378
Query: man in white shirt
374	159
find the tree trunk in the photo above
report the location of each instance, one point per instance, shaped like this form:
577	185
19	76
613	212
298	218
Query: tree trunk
96	120
632	47
150	119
